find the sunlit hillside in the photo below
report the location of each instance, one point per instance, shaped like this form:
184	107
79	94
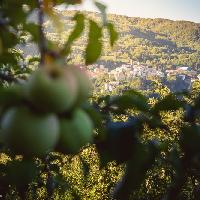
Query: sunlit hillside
160	43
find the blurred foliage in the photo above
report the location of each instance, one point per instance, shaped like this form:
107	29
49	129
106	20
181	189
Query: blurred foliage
143	148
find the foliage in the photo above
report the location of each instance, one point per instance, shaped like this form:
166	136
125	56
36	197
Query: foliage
141	148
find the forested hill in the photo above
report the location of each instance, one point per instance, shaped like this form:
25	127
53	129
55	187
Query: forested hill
155	42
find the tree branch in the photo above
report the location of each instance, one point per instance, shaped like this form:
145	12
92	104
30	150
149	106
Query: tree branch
42	42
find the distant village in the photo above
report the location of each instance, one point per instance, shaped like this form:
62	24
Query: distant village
180	78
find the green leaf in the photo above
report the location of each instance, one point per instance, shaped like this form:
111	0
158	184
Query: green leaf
94	47
102	9
95	31
100	6
113	33
76	33
93	51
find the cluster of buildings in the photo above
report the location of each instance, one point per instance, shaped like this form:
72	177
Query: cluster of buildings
177	79
129	72
187	71
125	72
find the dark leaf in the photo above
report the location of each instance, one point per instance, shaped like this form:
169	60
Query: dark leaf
121	140
8	58
21	173
113	34
11	96
104	154
129	102
94	46
102	9
135	172
8	39
14	12
190	139
169	103
76	33
93	51
155	122
94	115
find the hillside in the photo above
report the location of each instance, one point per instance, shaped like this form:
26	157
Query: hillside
160	43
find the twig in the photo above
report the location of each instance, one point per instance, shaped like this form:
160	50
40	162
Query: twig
42	41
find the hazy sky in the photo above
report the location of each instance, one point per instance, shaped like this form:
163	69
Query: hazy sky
170	9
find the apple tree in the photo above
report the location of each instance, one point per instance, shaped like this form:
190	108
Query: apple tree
44	109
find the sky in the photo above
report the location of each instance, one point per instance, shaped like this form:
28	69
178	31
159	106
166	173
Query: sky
170	9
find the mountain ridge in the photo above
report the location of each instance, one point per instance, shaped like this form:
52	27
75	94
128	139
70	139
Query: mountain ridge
122	15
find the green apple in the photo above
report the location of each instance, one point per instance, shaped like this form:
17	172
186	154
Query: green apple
84	83
28	133
75	132
51	91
